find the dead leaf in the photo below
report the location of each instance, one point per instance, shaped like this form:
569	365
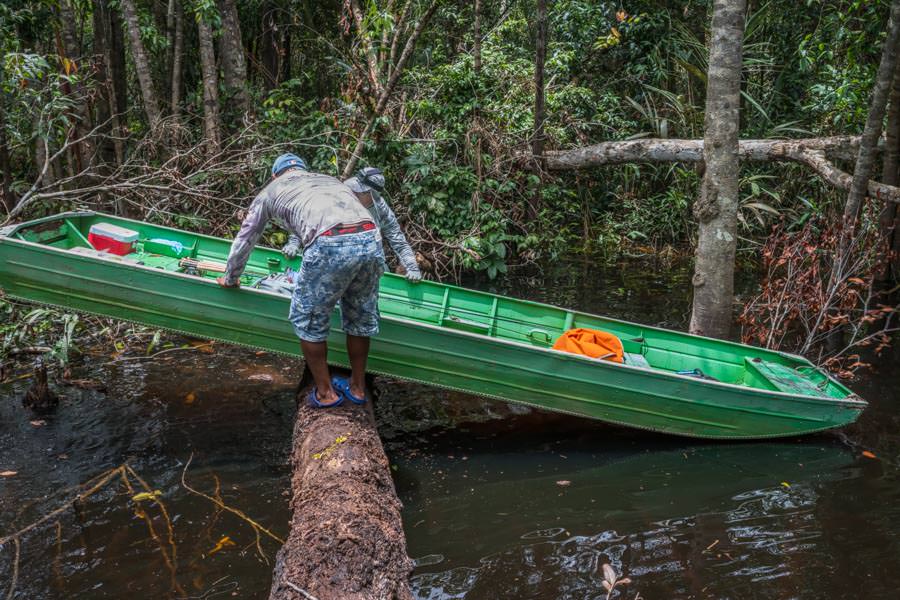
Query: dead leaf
8	473
189	399
225	542
563	483
38	423
868	454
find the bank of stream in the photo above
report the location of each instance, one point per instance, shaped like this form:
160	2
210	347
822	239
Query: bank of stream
500	501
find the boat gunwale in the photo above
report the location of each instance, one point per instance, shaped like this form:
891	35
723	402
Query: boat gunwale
851	400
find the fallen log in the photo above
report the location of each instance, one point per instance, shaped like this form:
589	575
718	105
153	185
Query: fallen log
346	540
811	152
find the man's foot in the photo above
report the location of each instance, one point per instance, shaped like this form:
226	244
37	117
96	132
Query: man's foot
344	388
325	399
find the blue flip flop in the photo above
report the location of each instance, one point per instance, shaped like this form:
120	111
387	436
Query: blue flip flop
314	400
342	385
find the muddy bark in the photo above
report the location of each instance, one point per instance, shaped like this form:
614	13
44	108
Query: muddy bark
716	208
141	63
346	540
39	397
874	122
234	63
211	131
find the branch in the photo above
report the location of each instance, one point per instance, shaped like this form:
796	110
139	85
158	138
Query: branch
811	152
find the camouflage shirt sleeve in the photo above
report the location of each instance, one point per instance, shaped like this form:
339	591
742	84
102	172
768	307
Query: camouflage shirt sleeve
251	229
390	230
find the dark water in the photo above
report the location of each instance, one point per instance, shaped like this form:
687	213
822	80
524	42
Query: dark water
500	502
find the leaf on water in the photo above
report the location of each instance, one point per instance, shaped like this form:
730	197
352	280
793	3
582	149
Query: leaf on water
609	574
225	542
189	399
8	473
868	454
147	496
786	484
563	483
38	423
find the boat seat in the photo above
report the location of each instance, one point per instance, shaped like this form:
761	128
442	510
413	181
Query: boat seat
636	360
782	378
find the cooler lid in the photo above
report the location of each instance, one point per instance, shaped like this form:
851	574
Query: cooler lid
120	234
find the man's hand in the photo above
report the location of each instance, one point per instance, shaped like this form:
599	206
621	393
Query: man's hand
221	281
290	250
414	276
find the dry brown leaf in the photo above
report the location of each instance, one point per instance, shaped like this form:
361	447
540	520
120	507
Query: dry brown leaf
8	473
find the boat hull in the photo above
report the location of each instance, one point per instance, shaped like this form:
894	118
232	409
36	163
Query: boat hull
416	351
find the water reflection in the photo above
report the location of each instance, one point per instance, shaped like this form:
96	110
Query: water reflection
680	520
500	501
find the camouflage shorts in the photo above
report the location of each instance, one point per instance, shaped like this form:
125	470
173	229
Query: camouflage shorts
343	268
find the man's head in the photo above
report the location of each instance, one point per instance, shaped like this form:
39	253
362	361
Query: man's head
285	162
364	182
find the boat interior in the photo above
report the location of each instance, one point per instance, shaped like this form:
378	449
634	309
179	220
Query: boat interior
445	306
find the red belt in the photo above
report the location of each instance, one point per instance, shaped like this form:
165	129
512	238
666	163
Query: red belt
343	229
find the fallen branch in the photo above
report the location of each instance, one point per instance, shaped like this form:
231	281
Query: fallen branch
810	152
257	528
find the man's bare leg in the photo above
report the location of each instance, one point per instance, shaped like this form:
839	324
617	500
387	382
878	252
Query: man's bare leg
316	356
358	352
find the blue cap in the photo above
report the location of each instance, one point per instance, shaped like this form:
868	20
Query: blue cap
287	161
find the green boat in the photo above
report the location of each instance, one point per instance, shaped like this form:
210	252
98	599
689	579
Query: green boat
431	333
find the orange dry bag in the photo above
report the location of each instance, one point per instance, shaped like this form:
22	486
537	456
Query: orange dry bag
591	342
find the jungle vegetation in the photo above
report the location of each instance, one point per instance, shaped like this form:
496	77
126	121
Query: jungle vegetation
172	110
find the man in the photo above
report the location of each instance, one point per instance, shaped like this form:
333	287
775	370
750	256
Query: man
343	260
368	184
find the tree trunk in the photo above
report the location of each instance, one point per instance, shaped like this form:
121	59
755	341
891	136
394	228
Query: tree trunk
141	63
104	104
476	50
117	67
537	142
269	48
476	113
810	152
177	57
874	122
211	131
388	89
346	540
890	174
716	208
79	115
368	49
234	63
5	171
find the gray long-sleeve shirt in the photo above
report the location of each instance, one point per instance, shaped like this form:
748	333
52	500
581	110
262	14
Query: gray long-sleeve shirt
390	230
305	204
